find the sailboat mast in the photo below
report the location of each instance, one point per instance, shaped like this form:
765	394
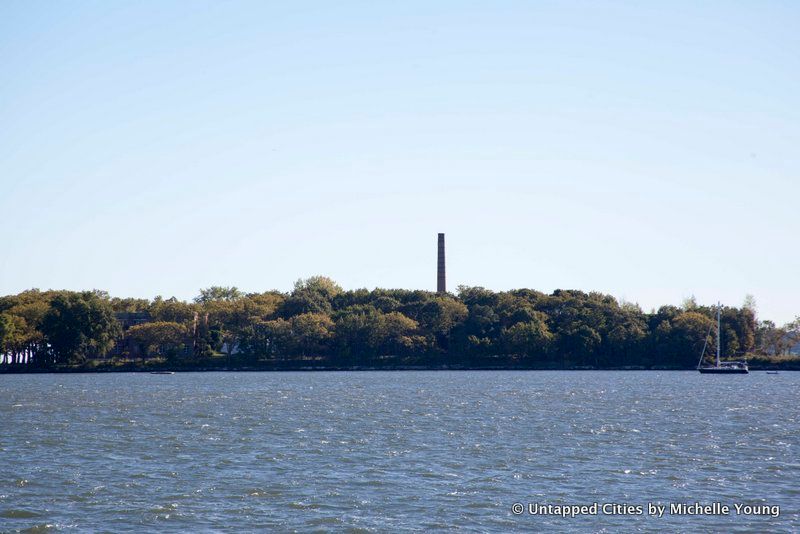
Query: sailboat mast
719	340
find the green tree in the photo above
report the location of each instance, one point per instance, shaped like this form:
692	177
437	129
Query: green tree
354	333
311	332
482	321
161	338
398	334
172	310
79	326
7	337
625	341
531	338
312	295
792	337
218	293
442	314
579	342
267	339
319	284
687	335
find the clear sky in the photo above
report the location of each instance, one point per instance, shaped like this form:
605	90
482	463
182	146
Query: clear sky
647	150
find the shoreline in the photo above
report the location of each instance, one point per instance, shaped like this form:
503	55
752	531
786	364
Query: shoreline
793	366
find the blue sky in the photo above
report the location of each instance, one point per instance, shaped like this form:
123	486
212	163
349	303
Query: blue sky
647	150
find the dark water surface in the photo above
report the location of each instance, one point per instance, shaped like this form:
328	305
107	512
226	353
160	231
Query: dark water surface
394	451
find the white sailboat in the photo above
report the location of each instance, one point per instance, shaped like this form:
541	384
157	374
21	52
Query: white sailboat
720	367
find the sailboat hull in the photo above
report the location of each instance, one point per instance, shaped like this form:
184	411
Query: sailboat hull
722	371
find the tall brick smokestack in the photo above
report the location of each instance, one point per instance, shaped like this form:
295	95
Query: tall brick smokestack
441	286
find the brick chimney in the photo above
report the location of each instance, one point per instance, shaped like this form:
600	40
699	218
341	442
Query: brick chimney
441	286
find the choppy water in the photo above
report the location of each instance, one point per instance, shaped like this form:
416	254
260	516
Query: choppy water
375	451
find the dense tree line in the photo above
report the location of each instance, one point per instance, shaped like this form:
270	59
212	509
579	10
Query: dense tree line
318	323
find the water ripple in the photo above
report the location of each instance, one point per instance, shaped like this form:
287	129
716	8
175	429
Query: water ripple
377	452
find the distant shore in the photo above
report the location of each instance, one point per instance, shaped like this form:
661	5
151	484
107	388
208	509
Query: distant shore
790	365
319	326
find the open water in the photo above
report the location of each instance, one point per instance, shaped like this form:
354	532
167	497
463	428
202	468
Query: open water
397	451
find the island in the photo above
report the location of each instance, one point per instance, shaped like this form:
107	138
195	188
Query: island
320	326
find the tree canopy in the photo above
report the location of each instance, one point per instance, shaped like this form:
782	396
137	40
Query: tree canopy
320	323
